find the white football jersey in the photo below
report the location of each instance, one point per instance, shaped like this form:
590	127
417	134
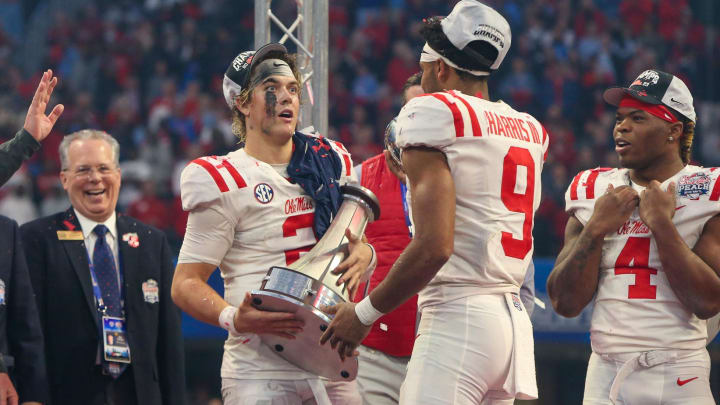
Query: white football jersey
245	217
495	155
635	307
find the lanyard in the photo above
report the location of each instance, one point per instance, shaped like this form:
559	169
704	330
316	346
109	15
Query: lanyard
96	288
403	193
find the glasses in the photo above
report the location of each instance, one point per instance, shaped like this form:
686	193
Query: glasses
87	171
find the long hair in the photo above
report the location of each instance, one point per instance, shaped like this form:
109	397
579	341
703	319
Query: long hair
686	141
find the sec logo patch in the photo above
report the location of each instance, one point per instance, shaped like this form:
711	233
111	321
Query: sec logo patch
264	193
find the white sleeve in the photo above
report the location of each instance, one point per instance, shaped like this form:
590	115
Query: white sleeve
358	172
427	121
208	237
583	191
348	174
197	187
212	220
575	202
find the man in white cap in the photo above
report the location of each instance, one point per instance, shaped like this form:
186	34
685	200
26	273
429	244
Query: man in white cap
261	206
473	168
642	244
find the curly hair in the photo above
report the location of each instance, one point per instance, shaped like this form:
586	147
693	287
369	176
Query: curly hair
433	34
686	141
238	118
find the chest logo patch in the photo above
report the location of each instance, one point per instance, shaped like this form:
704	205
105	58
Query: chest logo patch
693	186
264	193
151	291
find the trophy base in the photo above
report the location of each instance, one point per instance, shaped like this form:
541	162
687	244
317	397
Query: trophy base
298	296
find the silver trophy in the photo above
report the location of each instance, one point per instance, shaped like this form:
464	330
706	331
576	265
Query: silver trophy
308	285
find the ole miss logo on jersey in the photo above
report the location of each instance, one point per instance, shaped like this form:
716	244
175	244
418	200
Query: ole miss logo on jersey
264	193
693	186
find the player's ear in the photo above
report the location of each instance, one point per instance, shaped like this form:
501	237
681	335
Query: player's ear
676	130
243	107
442	70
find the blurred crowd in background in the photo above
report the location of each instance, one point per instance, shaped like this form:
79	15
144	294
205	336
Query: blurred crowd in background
150	73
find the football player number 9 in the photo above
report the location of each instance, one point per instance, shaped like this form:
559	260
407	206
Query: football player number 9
518	202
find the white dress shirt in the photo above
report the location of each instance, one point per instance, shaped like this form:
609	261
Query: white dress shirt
87	225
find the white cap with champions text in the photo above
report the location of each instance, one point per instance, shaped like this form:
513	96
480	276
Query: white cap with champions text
471	21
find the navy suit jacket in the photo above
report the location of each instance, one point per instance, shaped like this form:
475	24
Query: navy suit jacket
21	339
60	275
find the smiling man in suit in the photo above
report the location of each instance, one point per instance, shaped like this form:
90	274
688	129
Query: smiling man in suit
102	277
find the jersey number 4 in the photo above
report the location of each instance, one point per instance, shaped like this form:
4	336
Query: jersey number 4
637	253
518	202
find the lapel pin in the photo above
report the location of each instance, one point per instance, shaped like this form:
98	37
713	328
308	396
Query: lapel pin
132	239
69	233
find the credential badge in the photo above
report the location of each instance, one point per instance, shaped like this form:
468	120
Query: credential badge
151	291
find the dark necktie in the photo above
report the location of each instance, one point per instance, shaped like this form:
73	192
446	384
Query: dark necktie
107	279
106	273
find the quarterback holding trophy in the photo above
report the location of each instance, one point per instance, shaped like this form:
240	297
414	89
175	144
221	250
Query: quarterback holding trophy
261	207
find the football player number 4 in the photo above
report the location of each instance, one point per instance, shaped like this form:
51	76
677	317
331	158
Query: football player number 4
637	252
518	202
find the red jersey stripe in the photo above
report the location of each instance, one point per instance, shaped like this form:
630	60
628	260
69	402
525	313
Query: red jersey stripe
477	131
234	173
457	117
715	194
348	170
590	184
340	146
214	173
574	186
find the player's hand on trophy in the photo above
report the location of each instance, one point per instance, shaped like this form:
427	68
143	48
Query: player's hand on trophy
656	204
37	123
249	319
345	332
613	208
354	267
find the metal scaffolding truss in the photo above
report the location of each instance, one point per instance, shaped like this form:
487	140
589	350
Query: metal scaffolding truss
311	40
